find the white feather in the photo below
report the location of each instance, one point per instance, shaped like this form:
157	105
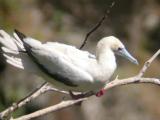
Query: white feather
7	41
87	71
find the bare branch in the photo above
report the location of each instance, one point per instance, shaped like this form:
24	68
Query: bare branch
115	83
50	109
148	63
6	114
45	87
131	80
69	103
98	24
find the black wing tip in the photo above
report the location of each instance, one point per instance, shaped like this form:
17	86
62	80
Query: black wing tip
20	35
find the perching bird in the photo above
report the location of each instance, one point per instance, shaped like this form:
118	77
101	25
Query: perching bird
65	66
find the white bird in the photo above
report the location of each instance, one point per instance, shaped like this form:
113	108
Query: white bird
65	66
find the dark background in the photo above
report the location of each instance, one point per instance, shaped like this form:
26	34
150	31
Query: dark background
135	22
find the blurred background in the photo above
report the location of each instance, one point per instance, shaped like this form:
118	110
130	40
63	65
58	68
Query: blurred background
135	22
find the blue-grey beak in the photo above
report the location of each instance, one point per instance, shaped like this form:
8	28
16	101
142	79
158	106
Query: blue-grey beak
123	52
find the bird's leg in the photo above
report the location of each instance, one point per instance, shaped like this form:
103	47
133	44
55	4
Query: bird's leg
100	93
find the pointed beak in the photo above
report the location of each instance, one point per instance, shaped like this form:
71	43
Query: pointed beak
123	52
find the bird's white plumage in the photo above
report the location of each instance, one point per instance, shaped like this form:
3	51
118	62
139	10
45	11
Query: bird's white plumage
85	70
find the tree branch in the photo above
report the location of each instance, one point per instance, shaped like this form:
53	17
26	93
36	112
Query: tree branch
98	24
148	63
6	114
115	83
61	105
45	87
69	103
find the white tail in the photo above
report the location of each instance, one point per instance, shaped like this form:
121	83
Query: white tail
12	48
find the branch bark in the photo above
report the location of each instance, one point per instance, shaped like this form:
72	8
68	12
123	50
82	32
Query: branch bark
45	87
61	105
68	103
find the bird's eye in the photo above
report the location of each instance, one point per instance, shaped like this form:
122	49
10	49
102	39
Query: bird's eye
119	49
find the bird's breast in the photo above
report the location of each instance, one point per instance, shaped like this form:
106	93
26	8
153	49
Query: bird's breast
105	73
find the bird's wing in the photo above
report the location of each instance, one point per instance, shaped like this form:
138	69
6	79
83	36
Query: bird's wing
53	63
63	48
81	59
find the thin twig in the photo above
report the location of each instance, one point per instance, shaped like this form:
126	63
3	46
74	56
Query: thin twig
148	63
98	24
131	80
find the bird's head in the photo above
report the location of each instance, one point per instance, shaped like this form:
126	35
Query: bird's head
117	47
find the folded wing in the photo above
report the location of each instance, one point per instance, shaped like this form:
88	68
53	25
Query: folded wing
53	63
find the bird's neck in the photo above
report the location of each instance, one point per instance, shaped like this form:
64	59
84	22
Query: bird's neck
106	61
105	56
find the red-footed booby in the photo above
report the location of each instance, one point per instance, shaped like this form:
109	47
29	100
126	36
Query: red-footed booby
65	66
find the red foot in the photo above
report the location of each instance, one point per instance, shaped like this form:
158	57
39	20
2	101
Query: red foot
100	93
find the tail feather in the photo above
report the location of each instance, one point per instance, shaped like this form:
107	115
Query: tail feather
18	42
7	41
13	51
20	35
14	61
6	50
